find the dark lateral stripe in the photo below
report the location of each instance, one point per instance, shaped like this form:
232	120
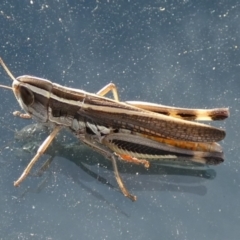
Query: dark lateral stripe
186	116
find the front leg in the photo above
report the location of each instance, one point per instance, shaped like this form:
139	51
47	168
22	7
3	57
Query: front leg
22	115
39	153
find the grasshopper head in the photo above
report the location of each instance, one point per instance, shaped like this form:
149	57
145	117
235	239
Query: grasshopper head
33	94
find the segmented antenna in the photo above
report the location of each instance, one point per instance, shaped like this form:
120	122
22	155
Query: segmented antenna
7	70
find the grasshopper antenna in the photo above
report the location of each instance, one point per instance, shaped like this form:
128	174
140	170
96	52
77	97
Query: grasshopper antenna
7	87
7	70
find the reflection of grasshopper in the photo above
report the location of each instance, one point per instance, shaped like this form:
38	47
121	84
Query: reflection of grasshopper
130	131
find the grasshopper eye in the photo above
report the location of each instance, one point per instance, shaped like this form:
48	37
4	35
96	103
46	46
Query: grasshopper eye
26	96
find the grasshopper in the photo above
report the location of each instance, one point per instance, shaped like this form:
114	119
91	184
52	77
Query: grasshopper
131	131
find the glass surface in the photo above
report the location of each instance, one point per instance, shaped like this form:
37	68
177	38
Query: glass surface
180	53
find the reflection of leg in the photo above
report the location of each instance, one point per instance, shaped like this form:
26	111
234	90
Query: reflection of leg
110	155
44	167
38	189
40	151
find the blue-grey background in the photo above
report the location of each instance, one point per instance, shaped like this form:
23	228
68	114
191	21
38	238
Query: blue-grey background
181	53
